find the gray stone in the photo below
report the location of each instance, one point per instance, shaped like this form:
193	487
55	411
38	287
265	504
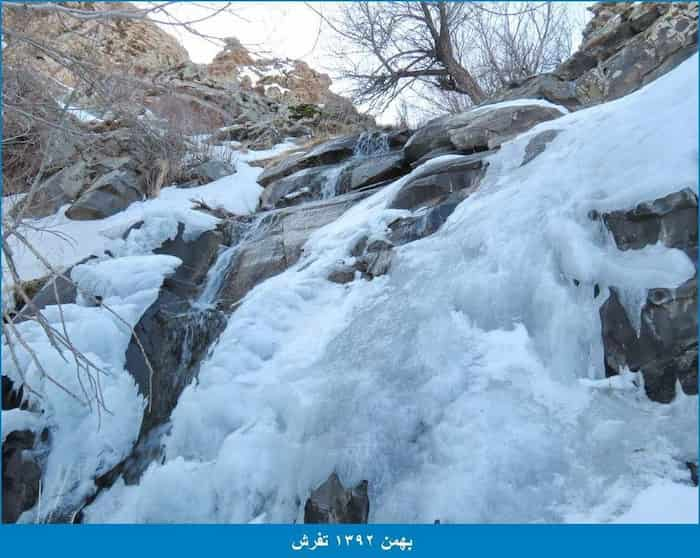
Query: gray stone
672	220
342	275
436	183
59	189
207	172
332	503
488	129
377	169
548	87
110	194
21	475
12	395
327	153
620	342
537	145
478	129
307	183
669	342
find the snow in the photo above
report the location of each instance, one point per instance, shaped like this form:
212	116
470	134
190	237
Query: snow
238	193
663	502
467	384
522	103
85	443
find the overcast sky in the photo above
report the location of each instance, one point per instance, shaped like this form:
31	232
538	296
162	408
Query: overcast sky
277	29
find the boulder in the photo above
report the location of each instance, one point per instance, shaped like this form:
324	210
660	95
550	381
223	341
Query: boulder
327	153
489	128
620	341
302	186
110	194
59	189
207	172
440	180
548	87
669	341
479	129
666	350
333	503
21	475
672	220
174	336
377	169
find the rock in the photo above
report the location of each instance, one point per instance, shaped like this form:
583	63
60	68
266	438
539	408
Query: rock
332	503
666	350
488	129
635	47
328	153
110	194
197	257
11	395
537	145
252	265
59	189
173	335
620	342
478	129
672	220
207	172
669	343
302	186
21	475
438	181
693	468
408	229
377	169
548	87
174	338
342	275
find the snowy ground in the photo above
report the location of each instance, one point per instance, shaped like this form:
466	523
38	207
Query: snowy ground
85	444
467	385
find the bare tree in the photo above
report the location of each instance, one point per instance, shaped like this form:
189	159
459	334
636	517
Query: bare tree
463	50
37	121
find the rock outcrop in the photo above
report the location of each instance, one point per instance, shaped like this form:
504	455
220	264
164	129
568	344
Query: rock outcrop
625	46
666	347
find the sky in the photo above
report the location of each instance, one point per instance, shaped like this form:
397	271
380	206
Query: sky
280	30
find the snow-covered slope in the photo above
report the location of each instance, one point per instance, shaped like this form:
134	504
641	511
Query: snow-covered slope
467	384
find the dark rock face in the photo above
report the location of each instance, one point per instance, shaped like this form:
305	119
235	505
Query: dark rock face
197	257
408	229
538	144
439	181
110	194
12	394
669	341
666	350
21	475
671	220
693	468
332	503
173	336
620	341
